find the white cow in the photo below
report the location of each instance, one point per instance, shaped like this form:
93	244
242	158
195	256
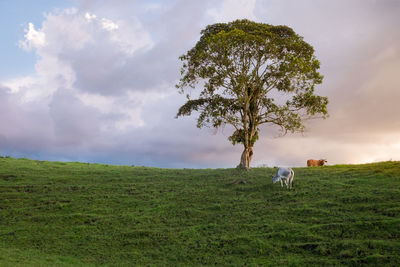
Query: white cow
286	174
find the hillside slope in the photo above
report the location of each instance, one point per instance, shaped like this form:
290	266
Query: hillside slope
71	214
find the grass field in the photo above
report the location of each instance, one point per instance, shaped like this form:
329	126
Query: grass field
78	214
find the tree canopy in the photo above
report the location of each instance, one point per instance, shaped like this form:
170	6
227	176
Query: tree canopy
251	74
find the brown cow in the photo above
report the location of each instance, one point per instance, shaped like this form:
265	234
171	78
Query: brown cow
314	162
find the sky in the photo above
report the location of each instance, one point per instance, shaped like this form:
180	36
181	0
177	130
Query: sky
94	81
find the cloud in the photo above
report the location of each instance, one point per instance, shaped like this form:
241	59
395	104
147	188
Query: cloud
103	88
89	16
74	123
33	38
109	25
358	44
230	10
23	124
99	90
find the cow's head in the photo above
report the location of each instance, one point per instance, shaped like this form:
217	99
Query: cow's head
275	178
322	162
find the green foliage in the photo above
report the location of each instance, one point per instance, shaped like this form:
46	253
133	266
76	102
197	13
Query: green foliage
238	136
78	214
239	65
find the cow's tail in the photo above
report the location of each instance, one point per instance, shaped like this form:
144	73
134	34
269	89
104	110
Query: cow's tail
292	176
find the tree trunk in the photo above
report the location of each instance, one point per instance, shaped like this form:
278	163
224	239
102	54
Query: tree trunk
246	157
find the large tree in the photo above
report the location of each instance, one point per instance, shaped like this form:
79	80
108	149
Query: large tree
251	74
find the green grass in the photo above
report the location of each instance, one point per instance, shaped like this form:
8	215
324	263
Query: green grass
78	214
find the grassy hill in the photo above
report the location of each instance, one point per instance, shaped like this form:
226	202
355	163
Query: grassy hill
78	214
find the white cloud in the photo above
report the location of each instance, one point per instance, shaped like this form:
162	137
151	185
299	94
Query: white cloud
74	57
33	38
108	24
89	16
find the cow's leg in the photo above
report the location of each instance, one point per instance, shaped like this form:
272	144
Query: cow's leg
281	182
